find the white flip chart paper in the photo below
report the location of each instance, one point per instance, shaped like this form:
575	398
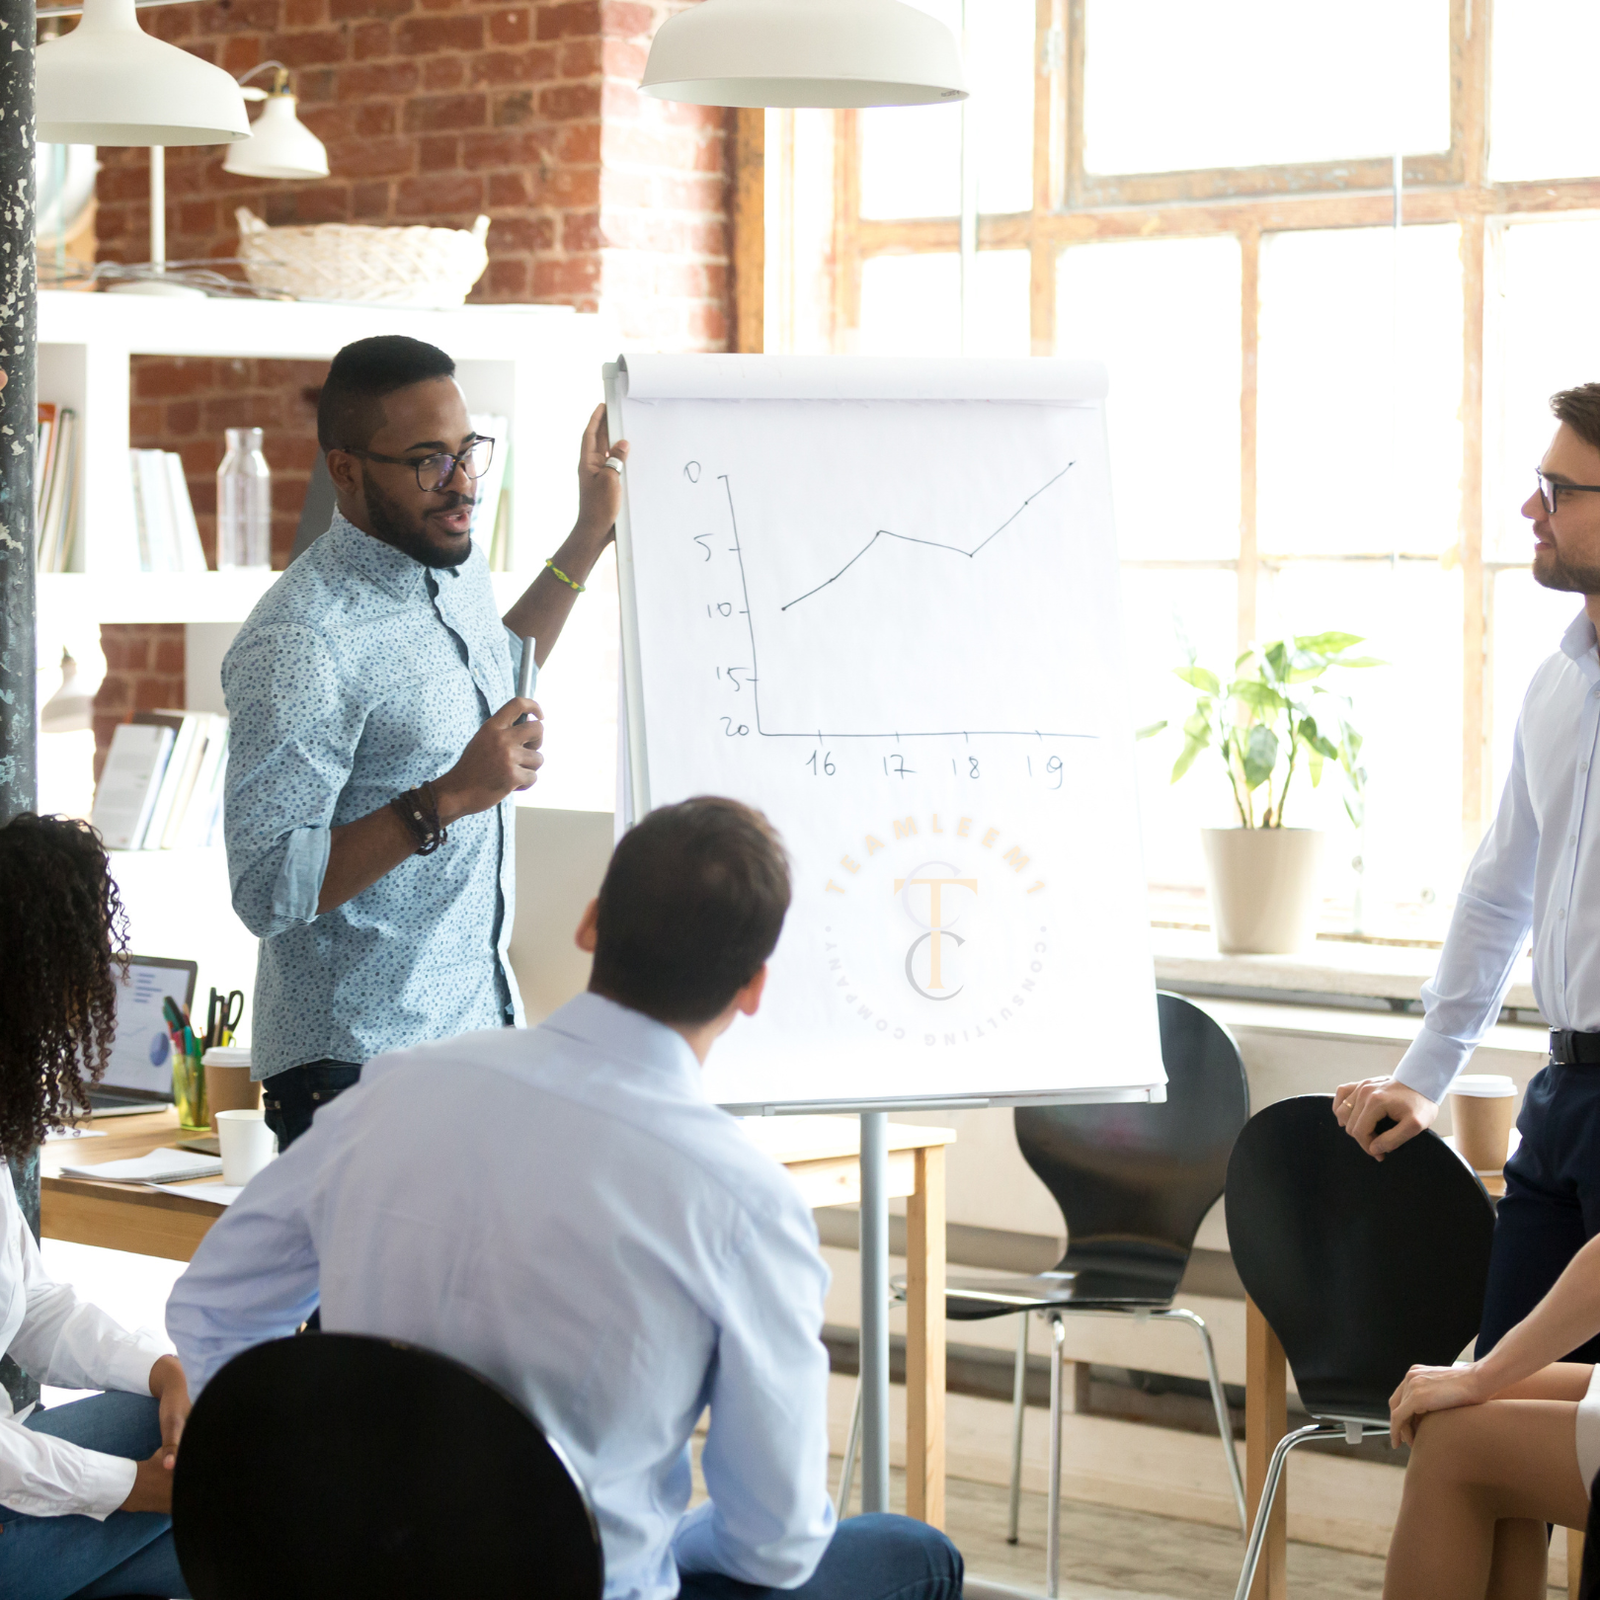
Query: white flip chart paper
879	600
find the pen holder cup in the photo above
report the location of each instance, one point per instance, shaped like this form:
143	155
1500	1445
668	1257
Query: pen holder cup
228	1083
189	1091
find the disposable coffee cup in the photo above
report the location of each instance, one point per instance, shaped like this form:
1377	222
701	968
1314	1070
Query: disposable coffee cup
228	1083
1483	1108
248	1144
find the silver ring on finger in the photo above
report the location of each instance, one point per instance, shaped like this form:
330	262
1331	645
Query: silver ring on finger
614	462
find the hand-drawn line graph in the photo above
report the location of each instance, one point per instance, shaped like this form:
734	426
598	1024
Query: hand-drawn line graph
933	544
822	733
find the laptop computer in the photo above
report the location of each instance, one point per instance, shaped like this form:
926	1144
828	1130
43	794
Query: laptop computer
138	1077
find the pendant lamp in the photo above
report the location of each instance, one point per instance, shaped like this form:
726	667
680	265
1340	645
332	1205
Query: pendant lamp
108	82
804	53
280	144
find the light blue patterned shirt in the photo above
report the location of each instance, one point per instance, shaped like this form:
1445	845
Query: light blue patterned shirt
361	674
602	1242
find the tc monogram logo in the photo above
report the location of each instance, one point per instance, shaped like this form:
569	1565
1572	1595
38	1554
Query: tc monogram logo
937	928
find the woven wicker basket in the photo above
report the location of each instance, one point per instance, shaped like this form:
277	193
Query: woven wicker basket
344	261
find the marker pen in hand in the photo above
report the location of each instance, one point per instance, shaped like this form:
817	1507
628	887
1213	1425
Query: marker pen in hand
527	673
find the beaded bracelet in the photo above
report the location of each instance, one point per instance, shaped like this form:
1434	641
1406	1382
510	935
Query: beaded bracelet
570	582
418	809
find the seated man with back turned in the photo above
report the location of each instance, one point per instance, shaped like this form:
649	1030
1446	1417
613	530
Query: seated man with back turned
595	1236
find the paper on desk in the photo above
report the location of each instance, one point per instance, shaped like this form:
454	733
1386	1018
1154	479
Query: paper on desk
74	1133
159	1166
216	1194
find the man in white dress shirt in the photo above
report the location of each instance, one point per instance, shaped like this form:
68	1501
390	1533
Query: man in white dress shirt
598	1239
1538	868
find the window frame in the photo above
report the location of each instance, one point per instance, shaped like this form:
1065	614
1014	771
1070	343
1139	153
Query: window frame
1072	206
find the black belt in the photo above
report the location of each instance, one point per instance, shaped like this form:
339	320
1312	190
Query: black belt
1570	1049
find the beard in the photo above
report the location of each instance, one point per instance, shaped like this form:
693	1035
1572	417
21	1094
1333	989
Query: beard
406	531
1551	570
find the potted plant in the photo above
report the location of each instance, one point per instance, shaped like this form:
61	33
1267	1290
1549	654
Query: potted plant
1273	721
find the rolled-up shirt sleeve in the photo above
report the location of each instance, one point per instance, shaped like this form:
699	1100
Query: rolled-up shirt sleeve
293	733
1492	918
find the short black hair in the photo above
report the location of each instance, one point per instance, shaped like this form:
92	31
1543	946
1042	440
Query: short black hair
691	907
350	409
1579	408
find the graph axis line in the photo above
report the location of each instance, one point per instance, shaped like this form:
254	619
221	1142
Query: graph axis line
897	734
932	544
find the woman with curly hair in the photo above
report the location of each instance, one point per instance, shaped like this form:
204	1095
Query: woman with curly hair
85	1488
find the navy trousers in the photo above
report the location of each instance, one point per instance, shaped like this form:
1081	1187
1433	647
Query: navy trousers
291	1099
873	1557
1551	1207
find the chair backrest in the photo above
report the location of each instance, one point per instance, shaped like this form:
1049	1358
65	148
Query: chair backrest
333	1466
1135	1181
1360	1267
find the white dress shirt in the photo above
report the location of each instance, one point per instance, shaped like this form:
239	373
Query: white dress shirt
563	1211
57	1338
1538	867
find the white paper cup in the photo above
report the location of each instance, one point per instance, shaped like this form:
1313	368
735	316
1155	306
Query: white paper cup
248	1144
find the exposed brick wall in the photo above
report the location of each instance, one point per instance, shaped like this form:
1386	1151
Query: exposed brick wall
433	111
186	403
436	111
144	672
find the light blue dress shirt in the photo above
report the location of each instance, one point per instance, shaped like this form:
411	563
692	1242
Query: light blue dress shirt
361	674
563	1211
1538	867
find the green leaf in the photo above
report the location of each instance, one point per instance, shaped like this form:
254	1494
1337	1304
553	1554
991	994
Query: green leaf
1150	731
1360	661
1257	695
1197	725
1278	663
1314	766
1260	755
1199	678
1191	748
1327	644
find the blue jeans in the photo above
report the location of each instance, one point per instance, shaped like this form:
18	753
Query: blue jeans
291	1099
77	1558
872	1557
1551	1207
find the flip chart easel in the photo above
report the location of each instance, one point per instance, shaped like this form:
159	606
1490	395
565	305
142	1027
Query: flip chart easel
879	600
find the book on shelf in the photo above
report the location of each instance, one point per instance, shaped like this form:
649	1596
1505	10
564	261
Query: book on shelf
163	514
180	804
55	497
126	792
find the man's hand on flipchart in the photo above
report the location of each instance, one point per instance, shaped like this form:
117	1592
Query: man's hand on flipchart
503	755
1360	1107
599	486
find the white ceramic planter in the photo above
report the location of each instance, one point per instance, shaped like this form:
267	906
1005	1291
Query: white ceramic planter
1264	888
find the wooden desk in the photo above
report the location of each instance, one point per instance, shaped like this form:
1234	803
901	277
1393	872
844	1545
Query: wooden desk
821	1153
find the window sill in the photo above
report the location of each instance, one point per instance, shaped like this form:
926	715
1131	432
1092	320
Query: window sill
1335	972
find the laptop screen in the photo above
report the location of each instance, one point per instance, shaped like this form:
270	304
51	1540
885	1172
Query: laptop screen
141	1055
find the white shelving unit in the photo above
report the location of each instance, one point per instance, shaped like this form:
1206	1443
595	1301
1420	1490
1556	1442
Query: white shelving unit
537	365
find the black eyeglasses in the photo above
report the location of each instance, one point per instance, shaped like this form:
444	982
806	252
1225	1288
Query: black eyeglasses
1550	490
435	472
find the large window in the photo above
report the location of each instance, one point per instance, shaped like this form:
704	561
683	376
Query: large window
1334	280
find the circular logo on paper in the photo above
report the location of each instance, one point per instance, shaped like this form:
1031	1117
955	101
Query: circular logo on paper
938	928
160	1049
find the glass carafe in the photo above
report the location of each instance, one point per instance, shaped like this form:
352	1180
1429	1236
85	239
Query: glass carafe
244	503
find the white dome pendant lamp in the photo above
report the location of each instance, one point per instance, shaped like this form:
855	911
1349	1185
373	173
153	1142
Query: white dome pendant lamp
828	53
280	144
108	82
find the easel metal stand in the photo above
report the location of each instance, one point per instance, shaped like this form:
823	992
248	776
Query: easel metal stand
874	1350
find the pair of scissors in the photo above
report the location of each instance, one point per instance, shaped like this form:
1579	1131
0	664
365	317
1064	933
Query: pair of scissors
223	1016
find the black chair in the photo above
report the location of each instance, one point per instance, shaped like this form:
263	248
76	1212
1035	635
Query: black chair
338	1467
1360	1267
1134	1182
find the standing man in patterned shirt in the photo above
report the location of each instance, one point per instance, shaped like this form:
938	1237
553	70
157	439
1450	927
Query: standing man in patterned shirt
376	740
